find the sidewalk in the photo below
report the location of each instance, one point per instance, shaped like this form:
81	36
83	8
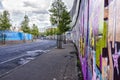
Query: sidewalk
7	43
58	64
18	42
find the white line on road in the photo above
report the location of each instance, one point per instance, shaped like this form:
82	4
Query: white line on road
29	53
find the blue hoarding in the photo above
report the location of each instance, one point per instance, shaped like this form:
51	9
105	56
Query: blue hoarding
14	36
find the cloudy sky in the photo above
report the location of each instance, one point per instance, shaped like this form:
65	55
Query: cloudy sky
37	10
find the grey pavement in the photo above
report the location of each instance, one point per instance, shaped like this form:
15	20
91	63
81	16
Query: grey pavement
58	64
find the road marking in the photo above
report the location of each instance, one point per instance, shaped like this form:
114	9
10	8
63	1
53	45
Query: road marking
11	59
29	53
54	79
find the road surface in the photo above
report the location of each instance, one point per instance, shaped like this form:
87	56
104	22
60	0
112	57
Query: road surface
11	56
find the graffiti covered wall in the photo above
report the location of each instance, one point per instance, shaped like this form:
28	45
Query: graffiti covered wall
97	36
114	38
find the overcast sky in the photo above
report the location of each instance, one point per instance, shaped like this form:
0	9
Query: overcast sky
35	9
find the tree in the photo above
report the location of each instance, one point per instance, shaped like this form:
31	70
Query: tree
35	31
55	31
5	21
60	16
64	22
51	31
25	25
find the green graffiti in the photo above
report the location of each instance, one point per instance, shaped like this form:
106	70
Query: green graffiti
101	43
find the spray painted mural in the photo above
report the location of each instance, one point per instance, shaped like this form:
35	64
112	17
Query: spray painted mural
97	31
114	38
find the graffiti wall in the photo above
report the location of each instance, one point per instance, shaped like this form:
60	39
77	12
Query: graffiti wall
114	38
97	36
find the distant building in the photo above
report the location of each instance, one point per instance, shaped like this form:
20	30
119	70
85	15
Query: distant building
16	29
42	29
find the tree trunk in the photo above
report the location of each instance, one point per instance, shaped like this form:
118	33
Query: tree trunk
59	41
64	39
3	38
24	40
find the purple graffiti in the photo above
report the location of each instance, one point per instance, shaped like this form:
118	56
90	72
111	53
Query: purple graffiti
115	59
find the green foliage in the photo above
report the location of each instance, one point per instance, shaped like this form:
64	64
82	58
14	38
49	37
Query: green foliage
60	16
52	31
5	21
25	25
42	33
35	30
64	22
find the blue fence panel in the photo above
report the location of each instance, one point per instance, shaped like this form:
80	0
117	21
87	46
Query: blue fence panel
28	36
11	36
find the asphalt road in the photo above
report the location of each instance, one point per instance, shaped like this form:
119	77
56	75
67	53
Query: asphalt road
11	52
